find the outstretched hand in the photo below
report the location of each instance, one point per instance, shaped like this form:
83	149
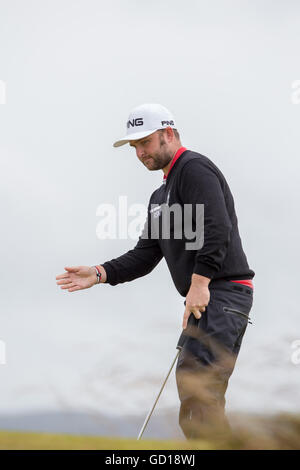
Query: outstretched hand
77	278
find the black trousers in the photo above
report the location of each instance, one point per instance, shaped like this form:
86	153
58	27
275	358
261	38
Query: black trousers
209	349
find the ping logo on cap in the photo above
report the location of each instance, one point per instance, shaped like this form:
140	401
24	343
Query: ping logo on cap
135	122
167	123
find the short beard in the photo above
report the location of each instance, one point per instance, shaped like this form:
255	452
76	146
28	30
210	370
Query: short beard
163	157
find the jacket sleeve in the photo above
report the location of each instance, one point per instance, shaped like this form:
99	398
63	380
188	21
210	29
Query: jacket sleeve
200	185
138	262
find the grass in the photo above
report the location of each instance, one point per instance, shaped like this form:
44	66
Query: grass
46	441
280	432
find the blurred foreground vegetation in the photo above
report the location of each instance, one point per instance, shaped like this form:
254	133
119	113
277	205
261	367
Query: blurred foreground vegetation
273	432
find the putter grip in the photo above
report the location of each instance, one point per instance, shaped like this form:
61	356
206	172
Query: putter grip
181	340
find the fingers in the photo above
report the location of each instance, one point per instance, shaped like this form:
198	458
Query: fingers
71	287
74	288
62	276
185	318
64	280
197	314
64	283
194	311
72	269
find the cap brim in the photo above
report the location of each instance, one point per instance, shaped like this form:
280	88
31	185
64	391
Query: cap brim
136	136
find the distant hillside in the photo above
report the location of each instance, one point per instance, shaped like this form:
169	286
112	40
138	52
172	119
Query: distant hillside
280	431
163	425
277	432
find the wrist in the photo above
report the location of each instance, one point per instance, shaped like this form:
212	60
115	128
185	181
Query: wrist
200	281
100	274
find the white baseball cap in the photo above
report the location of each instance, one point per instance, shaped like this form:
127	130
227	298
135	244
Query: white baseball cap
144	120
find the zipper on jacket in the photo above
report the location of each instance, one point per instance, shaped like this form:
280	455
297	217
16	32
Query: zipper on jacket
233	310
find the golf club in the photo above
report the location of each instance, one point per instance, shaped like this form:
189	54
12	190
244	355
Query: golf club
179	347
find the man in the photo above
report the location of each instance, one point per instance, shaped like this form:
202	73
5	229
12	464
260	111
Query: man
213	275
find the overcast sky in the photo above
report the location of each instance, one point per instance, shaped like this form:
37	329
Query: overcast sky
73	71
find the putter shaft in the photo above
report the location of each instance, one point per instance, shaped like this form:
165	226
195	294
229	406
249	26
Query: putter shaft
151	411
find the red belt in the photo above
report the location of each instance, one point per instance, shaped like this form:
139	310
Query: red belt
246	282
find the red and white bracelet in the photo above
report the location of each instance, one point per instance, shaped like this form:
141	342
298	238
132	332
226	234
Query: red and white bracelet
99	275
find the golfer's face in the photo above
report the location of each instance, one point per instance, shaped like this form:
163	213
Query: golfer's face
149	150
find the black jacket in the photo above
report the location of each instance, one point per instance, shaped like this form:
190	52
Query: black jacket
193	179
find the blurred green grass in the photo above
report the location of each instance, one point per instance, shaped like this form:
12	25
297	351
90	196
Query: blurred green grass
278	432
46	441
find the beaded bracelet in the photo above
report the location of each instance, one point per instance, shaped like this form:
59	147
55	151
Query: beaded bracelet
99	275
